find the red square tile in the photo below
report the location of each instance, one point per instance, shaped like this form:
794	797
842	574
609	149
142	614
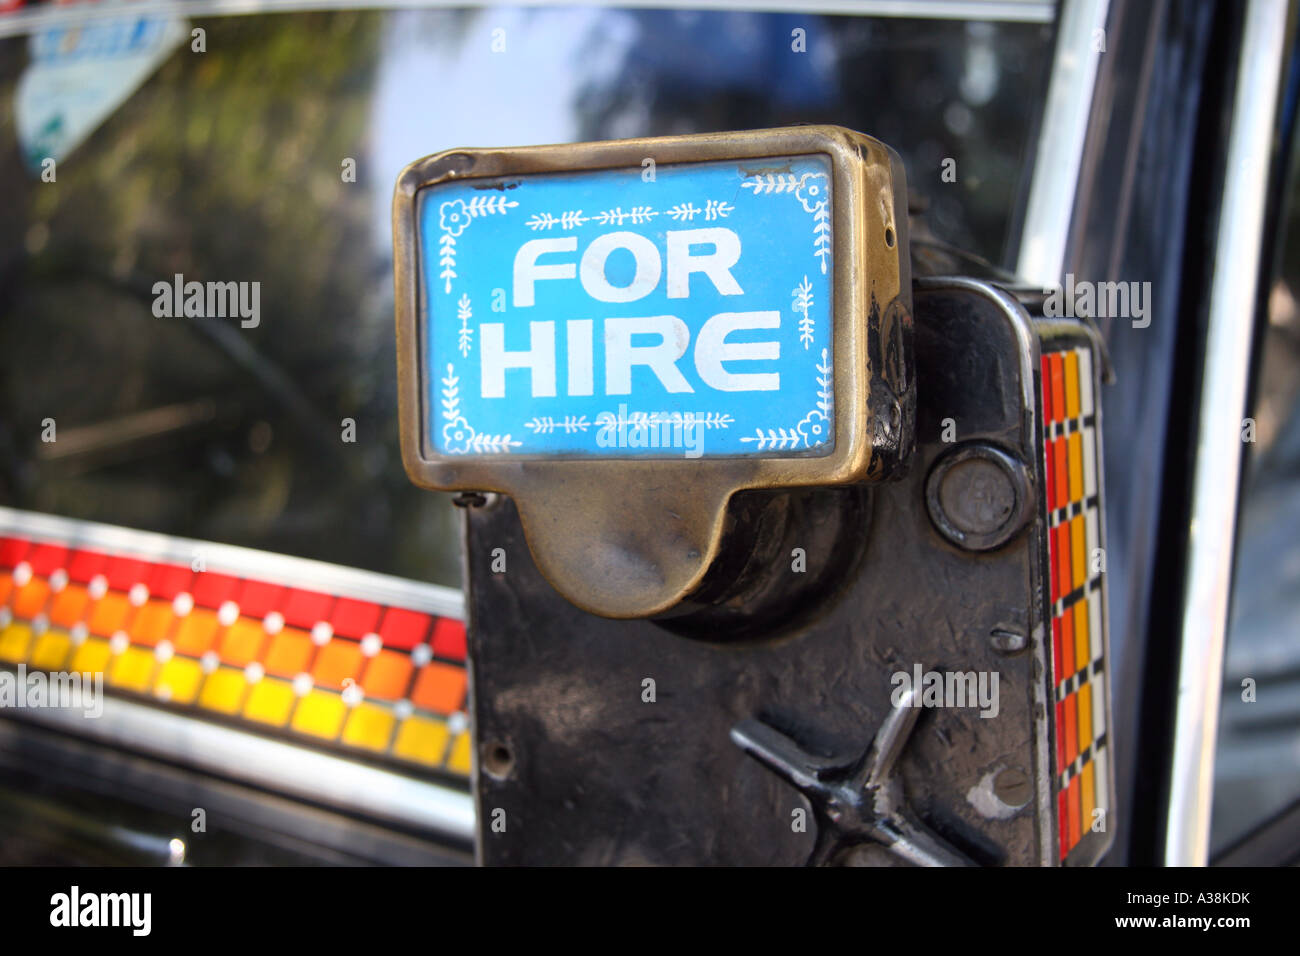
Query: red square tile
355	618
122	573
449	638
305	608
12	551
214	590
168	580
404	629
84	565
45	559
258	599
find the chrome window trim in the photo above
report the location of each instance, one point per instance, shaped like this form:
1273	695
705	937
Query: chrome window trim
244	562
283	767
1055	178
1217	463
1013	11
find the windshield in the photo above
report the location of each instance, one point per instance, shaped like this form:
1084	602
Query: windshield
255	156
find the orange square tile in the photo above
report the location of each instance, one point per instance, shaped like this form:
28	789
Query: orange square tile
243	642
387	675
289	653
151	622
29	600
440	688
337	661
109	613
197	633
69	605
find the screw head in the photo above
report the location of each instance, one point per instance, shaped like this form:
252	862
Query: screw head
1012	787
979	496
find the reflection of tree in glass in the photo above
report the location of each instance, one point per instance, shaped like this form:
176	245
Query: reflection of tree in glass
930	89
225	166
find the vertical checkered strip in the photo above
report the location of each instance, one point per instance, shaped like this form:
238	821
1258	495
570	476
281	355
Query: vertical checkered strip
1076	567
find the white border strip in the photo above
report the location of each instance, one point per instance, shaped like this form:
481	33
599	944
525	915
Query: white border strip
1060	144
1217	468
279	766
244	562
1015	11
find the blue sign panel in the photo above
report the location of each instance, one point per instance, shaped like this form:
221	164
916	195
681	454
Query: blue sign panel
678	311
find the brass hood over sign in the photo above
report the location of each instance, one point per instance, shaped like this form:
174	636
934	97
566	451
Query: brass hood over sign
623	335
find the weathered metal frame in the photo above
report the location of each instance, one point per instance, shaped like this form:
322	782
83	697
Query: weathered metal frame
621	561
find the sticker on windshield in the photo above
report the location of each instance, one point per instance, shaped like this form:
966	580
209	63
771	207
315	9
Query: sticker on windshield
683	311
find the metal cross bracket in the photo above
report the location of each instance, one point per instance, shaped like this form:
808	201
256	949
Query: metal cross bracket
856	800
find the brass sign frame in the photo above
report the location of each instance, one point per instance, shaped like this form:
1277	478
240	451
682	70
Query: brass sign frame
630	538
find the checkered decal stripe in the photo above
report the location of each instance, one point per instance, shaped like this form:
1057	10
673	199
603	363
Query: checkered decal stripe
1074	546
365	677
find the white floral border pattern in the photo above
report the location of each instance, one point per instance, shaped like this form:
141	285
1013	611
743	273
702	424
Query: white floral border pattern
681	212
707	420
801	303
457	433
568	424
453	216
811	189
465	337
809	430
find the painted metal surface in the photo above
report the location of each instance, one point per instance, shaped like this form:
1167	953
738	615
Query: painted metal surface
783	736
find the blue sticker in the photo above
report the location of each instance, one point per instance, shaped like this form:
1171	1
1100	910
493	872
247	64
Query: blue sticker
678	311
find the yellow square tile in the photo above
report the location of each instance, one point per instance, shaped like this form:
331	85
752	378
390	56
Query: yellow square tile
223	691
270	702
91	657
133	669
458	761
178	681
421	740
320	714
14	643
370	727
51	651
